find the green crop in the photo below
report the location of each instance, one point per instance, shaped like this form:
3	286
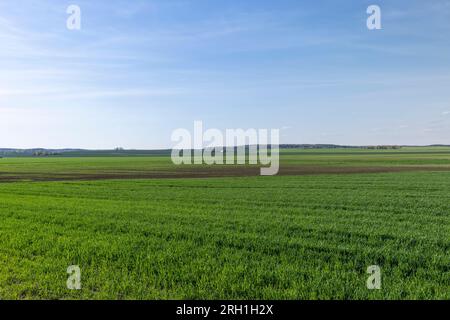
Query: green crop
281	237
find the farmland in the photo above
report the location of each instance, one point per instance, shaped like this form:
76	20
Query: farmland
142	228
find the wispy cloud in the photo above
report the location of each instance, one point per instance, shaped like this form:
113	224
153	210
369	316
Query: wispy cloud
85	94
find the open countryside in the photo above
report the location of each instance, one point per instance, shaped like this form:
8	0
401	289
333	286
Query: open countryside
140	227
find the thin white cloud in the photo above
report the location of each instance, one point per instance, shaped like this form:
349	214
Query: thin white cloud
84	94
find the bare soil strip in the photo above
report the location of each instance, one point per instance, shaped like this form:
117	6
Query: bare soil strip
209	172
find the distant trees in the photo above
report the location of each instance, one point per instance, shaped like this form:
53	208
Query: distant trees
43	153
334	146
384	147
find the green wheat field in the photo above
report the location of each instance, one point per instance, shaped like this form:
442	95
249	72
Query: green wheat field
142	228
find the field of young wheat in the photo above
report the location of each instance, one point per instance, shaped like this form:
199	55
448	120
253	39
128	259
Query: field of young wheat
300	235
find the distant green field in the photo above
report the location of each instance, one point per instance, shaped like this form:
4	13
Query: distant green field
280	237
44	166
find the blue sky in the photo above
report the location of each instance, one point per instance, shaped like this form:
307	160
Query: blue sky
139	69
